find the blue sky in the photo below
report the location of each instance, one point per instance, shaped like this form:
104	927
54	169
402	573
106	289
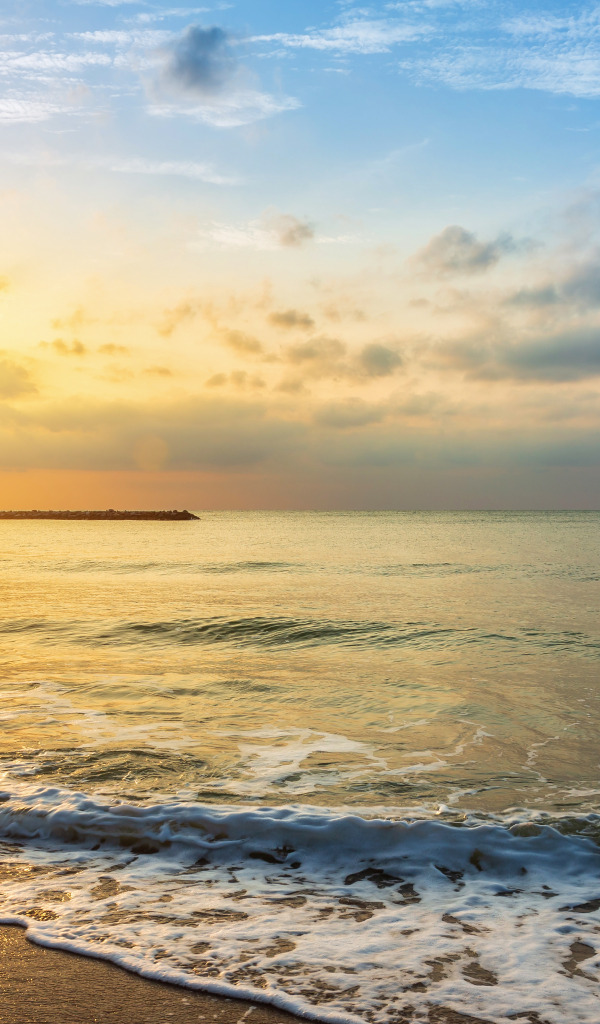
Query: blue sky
366	236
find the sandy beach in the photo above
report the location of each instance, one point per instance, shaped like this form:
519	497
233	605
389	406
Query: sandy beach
48	986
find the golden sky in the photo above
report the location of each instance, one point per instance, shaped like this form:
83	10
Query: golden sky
245	263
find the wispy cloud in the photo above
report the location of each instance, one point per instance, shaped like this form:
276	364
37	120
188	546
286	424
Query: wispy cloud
48	62
25	109
228	111
361	35
172	168
271	231
15	380
191	169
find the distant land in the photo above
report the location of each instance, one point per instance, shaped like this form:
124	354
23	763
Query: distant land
110	513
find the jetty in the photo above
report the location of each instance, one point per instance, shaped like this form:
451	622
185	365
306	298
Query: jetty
169	516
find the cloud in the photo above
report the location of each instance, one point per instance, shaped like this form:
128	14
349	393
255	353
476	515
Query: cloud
355	35
582	285
377	360
244	344
169	168
579	287
15	380
269	232
237	379
565	356
193	433
320	357
290	232
200	78
172	318
545	295
457	251
323	357
232	110
75	348
158	371
28	109
190	169
348	415
291	318
110	349
199	61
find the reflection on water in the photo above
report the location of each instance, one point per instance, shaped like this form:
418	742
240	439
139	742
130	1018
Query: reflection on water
395	660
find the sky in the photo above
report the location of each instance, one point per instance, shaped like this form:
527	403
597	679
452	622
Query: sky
283	254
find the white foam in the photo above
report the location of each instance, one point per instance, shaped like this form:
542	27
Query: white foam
328	915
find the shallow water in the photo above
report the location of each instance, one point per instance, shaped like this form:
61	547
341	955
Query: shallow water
282	674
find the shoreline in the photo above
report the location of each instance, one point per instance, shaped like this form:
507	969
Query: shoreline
40	985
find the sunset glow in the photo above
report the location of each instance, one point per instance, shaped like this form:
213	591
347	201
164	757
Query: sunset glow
299	255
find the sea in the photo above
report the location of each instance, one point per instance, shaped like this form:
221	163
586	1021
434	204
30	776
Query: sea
344	763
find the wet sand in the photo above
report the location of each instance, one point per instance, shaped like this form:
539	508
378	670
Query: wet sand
48	986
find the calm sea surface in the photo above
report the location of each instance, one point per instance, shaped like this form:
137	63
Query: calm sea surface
257	729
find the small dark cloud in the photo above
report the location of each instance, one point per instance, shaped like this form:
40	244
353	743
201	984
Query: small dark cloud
199	61
348	415
158	371
236	379
65	348
457	251
321	356
289	231
324	357
113	350
14	380
291	318
172	318
377	360
74	322
337	313
535	298
244	344
582	286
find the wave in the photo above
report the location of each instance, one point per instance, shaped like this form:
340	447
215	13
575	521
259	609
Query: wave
328	915
123	567
504	844
262	631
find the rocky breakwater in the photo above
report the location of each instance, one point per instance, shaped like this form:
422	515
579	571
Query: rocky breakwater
172	515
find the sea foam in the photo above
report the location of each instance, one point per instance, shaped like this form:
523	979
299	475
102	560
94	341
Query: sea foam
329	915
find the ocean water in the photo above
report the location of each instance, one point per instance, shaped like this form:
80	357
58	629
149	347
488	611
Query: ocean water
345	763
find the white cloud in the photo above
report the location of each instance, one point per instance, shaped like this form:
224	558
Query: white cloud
176	168
358	36
15	110
230	110
271	231
124	165
47	61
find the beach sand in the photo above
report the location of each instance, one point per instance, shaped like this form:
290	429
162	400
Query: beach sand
48	986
